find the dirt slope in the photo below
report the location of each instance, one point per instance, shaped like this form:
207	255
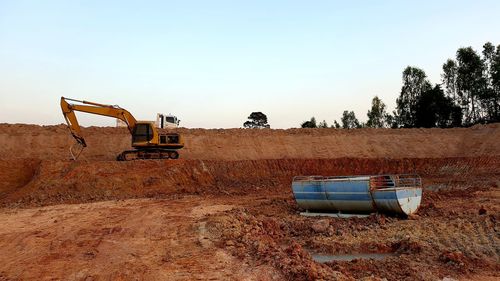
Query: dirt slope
34	182
53	142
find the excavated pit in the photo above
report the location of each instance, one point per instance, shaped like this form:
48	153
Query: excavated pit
32	182
225	210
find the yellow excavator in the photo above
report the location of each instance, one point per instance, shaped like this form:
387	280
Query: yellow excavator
147	142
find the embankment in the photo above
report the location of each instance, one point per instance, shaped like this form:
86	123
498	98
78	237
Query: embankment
53	143
34	182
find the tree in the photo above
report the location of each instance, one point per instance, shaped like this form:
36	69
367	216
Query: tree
256	120
377	116
335	125
323	124
470	81
434	109
414	84
490	99
449	77
495	82
349	120
391	120
471	84
309	124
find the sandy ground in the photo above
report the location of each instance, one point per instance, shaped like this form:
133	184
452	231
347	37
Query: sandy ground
142	239
225	210
246	238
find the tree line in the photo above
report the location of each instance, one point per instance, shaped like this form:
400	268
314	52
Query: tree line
468	94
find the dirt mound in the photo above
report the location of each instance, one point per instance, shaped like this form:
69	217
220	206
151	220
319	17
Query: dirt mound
53	142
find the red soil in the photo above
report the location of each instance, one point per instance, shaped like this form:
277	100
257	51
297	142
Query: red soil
225	209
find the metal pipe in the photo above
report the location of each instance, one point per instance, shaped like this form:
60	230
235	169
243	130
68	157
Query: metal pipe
396	194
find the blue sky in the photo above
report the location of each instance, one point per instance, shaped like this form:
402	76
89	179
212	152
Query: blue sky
214	62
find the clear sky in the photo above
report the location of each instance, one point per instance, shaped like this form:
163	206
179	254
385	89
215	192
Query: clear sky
214	62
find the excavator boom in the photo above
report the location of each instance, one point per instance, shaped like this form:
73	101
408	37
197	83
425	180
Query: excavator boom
93	108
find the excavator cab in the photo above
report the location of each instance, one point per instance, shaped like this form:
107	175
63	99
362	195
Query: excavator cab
142	133
145	135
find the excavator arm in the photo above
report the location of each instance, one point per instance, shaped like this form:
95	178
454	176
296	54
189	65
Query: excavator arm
115	111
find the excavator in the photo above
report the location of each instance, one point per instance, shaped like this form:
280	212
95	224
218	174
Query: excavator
147	142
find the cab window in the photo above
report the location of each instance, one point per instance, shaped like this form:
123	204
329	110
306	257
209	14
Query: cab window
142	133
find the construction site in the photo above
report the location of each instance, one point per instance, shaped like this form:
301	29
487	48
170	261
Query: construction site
225	209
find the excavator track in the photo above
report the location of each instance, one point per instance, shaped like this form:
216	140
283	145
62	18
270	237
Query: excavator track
143	154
